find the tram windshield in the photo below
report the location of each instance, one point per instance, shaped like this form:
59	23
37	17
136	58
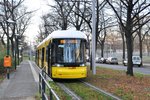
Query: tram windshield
69	50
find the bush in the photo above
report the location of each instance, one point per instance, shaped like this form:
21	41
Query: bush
2	54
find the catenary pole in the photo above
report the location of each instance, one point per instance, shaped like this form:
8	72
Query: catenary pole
93	36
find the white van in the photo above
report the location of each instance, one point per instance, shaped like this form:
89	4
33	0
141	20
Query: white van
135	59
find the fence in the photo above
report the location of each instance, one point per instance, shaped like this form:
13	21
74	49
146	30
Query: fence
43	85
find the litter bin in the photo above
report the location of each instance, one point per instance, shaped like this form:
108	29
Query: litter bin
7	61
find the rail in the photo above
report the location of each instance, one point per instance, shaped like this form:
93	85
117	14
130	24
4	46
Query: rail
43	86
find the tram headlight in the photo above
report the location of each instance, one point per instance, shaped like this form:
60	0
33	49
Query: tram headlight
58	65
82	65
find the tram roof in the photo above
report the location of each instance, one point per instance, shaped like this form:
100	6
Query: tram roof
67	34
64	34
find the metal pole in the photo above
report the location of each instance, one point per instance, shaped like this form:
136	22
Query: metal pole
40	83
7	41
15	51
43	86
93	37
30	50
18	51
7	73
50	93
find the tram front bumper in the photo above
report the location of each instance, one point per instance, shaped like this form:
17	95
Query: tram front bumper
69	72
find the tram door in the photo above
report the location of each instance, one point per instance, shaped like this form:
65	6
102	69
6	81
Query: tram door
43	57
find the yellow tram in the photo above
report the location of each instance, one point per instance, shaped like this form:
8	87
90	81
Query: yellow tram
62	55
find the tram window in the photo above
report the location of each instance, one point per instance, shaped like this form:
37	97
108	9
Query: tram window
47	53
53	53
38	54
42	54
69	51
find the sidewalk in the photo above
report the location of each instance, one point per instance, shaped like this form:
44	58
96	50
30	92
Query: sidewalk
21	85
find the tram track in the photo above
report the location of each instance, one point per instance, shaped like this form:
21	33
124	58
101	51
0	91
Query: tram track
100	90
69	91
74	96
62	86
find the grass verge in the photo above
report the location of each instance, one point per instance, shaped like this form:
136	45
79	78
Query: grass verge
135	87
85	92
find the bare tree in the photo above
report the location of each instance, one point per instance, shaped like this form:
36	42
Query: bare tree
40	36
21	18
129	22
78	13
146	37
49	23
63	9
8	10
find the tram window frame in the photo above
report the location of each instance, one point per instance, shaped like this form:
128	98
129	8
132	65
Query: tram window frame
53	53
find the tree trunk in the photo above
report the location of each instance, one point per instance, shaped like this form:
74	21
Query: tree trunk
123	47
123	43
102	49
140	45
129	42
148	50
12	47
64	25
77	27
3	43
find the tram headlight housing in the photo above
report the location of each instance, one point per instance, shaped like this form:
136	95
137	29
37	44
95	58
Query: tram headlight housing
58	65
82	65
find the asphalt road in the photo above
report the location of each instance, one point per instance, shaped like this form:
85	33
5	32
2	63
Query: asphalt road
145	69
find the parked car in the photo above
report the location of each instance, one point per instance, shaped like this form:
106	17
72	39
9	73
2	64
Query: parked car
103	60
136	60
88	59
100	60
112	60
97	60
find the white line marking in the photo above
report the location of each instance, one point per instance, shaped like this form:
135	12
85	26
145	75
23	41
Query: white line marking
35	75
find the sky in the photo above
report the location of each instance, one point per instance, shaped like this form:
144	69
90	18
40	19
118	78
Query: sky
42	8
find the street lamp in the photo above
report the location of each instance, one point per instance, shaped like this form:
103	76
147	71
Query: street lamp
16	48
